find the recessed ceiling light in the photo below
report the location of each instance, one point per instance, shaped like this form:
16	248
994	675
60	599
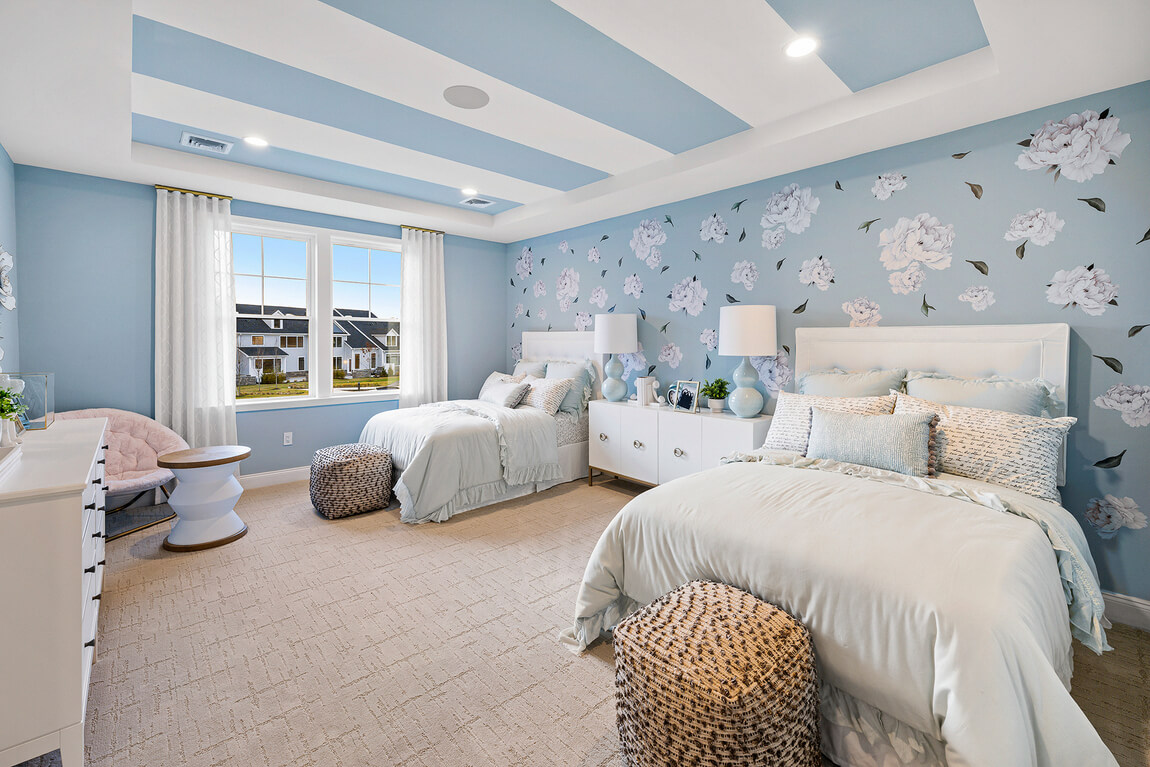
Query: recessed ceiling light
255	141
469	192
802	46
466	97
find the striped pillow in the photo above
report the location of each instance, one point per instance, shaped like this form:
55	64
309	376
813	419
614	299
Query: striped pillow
1009	449
899	443
546	394
791	424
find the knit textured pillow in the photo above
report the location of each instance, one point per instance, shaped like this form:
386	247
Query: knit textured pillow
498	377
791	424
901	443
1009	449
546	394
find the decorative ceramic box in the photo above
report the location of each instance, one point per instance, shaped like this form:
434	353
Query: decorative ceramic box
39	396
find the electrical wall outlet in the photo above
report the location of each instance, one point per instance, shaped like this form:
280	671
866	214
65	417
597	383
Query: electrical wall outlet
287	438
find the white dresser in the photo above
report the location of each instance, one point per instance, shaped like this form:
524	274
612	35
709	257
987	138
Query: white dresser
51	571
655	445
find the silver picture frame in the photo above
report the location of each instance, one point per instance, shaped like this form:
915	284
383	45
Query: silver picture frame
687	397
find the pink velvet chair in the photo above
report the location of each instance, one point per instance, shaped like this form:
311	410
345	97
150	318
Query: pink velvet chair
134	443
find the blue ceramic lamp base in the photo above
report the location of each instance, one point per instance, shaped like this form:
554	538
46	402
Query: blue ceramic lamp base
745	401
614	387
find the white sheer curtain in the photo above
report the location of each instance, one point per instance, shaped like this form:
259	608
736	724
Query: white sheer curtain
195	318
422	320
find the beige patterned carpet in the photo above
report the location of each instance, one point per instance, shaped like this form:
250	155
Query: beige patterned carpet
364	641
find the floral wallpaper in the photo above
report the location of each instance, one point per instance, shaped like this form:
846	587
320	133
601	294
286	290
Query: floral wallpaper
1039	217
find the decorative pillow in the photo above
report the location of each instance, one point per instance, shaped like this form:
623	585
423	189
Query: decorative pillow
840	383
580	392
530	368
1009	449
791	424
546	394
901	443
495	378
1034	397
505	394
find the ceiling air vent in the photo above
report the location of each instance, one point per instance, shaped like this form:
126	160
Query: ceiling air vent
477	202
205	144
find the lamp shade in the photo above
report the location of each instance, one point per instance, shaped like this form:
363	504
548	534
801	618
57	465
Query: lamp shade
616	334
747	331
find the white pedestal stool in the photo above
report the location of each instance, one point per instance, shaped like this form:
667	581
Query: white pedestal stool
205	498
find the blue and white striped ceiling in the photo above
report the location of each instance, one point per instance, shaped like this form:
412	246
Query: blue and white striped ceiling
350	91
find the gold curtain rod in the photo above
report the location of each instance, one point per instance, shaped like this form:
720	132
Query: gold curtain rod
193	191
421	229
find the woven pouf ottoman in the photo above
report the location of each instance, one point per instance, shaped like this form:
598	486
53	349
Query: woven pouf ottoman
710	675
350	479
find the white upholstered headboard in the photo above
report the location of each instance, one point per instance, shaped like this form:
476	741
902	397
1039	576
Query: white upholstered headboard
573	345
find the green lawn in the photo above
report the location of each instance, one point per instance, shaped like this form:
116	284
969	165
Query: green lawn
299	388
384	382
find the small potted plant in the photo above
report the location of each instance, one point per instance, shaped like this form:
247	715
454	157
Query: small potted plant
716	393
11	408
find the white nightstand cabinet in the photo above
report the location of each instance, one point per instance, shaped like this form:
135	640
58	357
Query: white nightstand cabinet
655	445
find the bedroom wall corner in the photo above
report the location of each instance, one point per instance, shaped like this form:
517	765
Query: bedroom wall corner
9	320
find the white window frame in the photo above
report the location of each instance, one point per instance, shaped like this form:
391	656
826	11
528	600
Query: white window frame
320	346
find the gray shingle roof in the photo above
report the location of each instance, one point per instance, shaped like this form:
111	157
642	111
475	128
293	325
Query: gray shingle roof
263	351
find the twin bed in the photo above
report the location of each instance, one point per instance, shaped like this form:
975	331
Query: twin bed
942	608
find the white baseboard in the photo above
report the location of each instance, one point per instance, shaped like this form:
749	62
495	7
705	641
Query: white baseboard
278	477
1129	610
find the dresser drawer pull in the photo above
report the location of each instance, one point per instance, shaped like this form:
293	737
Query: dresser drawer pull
103	508
97	535
104	488
97	481
105	447
102	460
90	643
602	437
96	598
89	507
638	445
679	452
91	569
102	562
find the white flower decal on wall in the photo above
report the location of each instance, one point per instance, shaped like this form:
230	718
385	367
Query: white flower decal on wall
710	339
713	229
542	315
593	254
540	289
7	296
517	352
599	297
1109	514
564	303
979	297
1037	226
518	310
1131	400
863	312
633	286
1090	289
922	239
817	272
775	372
671	354
792	207
745	272
688	295
564	247
887	184
909	280
582	320
645	241
524	263
633	362
567	287
773	238
1078	147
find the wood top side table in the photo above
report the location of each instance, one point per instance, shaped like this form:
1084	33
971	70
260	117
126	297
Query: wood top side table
205	497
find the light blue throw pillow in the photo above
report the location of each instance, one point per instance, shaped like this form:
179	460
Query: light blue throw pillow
530	368
1007	394
840	383
893	442
580	391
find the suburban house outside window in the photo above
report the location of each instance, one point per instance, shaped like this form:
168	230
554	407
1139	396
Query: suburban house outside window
286	277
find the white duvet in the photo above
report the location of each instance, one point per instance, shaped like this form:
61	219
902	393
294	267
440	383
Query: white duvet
934	602
454	456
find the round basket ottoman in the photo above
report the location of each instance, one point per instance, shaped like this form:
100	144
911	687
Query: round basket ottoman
710	675
350	479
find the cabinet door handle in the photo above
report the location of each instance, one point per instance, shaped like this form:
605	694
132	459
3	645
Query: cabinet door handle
96	598
678	452
91	569
638	445
89	507
602	437
90	643
102	460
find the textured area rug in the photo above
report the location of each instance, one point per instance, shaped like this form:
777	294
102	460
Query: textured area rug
364	641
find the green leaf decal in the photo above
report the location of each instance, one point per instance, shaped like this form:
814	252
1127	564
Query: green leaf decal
620	260
1113	462
975	189
603	273
668	220
1113	302
779	265
612	308
697	256
1095	202
528	313
800	308
1104	114
524	289
1111	363
960	155
548	327
665	268
664	328
642	314
1135	330
926	308
839	187
980	266
732	300
1024	142
1020	251
1145	237
708	365
865	225
650	370
543	260
737	205
604	237
512	282
743	235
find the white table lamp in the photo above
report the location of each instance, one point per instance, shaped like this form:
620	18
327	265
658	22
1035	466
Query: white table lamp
747	331
615	334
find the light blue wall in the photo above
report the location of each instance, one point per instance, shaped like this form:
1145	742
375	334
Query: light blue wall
9	321
937	184
87	260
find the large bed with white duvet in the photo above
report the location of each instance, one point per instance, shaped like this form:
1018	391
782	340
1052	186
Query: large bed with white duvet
942	608
455	456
